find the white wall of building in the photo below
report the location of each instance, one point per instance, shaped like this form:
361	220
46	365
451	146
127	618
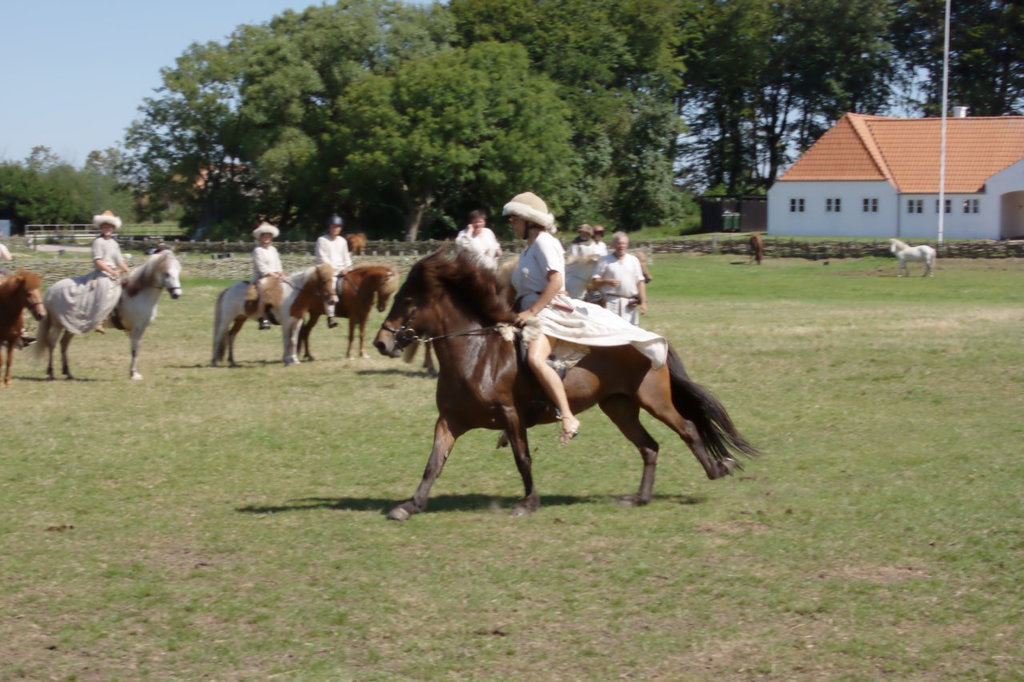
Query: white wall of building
851	220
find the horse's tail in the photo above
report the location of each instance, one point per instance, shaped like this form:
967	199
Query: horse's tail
696	403
41	347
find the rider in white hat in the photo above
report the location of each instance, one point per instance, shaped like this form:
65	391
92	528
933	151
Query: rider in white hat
265	290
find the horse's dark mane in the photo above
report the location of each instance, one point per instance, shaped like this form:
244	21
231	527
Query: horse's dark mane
474	289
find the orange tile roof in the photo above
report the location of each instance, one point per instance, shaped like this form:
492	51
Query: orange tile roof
906	152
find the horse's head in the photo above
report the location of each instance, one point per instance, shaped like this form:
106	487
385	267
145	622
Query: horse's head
32	284
323	276
397	331
172	275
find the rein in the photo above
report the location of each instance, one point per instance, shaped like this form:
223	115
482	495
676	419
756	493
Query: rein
405	334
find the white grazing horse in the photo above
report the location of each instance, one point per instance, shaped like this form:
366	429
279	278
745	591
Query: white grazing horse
905	252
135	309
301	291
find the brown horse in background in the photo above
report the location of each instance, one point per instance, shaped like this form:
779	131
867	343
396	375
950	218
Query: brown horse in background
756	248
356	292
464	313
21	290
356	243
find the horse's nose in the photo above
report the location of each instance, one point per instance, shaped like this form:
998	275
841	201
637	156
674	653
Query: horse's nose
380	344
175	293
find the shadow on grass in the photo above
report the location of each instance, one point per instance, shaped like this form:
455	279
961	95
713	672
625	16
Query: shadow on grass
454	503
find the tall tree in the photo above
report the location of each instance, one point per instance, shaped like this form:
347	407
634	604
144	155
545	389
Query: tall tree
470	121
986	54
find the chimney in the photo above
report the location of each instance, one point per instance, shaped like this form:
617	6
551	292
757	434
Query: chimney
959	112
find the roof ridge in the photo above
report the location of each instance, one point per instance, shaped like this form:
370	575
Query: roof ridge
863	130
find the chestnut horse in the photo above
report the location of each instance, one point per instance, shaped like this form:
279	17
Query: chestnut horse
464	313
303	291
356	292
356	243
21	290
756	245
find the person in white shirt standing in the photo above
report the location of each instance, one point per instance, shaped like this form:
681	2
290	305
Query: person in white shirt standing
478	239
621	280
581	260
331	248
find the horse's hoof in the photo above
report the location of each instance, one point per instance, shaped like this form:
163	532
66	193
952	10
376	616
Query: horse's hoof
136	376
399	514
364	355
521	510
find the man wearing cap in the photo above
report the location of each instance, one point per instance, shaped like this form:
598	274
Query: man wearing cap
265	289
331	248
581	260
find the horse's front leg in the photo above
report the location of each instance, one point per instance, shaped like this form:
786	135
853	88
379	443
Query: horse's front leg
136	340
444	441
351	336
10	356
362	338
517	438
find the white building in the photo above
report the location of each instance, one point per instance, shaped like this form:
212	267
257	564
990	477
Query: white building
874	176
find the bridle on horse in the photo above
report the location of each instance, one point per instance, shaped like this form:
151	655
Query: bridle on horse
405	334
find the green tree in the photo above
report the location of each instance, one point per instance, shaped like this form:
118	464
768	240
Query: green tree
986	54
454	124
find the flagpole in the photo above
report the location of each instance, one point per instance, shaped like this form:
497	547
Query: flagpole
942	143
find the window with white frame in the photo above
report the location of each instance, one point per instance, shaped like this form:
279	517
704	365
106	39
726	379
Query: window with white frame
796	205
948	203
915	205
870	205
970	205
833	205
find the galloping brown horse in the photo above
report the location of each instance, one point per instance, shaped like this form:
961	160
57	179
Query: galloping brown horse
356	292
21	290
464	313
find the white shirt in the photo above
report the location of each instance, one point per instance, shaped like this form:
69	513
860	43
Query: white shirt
334	252
580	264
108	252
265	261
629	273
485	244
530	276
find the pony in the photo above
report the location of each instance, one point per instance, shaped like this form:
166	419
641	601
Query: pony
303	289
135	310
756	245
21	290
465	314
905	252
356	292
356	243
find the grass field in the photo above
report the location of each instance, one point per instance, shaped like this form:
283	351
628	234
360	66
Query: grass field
227	524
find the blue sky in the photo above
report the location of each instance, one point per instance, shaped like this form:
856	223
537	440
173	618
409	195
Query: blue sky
73	73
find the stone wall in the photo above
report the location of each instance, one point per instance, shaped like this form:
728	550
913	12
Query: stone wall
231	260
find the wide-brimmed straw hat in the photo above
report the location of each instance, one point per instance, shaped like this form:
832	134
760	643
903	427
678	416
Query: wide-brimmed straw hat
532	208
107	218
266	228
585	229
